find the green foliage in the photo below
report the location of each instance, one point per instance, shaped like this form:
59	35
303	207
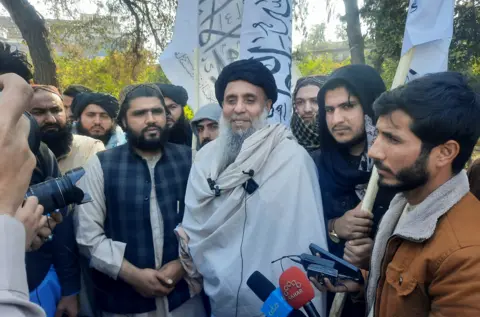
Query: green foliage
319	65
109	74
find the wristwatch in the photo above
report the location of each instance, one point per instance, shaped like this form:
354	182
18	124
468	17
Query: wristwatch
332	234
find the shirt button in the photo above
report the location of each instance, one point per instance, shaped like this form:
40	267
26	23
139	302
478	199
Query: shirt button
400	281
146	198
147	182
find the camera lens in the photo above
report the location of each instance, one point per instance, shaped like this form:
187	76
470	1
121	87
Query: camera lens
59	192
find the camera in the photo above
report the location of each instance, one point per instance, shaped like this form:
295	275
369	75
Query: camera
60	192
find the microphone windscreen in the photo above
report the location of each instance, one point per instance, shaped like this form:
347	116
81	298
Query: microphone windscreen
296	287
260	285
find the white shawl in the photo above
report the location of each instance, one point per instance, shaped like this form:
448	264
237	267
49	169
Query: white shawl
282	217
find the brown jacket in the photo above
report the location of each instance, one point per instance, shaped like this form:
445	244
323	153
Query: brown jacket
428	263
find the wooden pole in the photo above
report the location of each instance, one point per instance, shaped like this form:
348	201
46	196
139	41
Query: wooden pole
196	106
372	188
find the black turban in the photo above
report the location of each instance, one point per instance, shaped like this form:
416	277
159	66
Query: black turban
251	71
105	101
177	93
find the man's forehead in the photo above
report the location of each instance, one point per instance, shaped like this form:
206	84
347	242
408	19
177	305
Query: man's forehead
94	108
45	99
339	96
242	87
206	122
168	101
397	121
145	103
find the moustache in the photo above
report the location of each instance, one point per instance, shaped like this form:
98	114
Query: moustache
145	130
97	127
340	128
50	126
379	165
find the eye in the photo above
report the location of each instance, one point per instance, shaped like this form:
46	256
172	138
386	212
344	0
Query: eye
392	139
329	110
157	111
348	106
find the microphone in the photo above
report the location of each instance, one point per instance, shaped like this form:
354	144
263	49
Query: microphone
250	173
298	291
274	304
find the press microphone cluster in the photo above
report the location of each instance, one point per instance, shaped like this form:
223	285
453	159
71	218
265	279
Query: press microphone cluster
274	303
298	291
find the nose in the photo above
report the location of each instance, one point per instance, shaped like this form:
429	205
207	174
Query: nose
337	117
149	118
239	107
50	118
97	120
308	107
376	151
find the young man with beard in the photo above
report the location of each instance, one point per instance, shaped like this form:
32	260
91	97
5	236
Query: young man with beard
426	258
346	132
176	98
127	232
252	197
96	114
68	95
304	117
205	124
71	151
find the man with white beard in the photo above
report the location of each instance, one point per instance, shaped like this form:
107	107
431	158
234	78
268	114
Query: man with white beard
252	197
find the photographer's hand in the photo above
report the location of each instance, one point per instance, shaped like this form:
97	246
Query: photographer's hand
30	214
16	160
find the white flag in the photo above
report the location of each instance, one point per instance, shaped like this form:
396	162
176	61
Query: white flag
429	29
222	34
267	37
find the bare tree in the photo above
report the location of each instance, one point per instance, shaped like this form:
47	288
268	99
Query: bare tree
356	40
34	32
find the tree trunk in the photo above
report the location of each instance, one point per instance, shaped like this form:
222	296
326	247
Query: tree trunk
34	32
354	32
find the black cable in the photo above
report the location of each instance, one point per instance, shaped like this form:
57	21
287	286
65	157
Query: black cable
241	253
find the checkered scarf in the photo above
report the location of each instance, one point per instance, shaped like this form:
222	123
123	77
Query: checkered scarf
306	135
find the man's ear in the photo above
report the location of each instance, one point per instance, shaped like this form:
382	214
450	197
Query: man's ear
269	104
447	152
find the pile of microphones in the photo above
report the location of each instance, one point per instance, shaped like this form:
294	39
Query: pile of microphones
295	291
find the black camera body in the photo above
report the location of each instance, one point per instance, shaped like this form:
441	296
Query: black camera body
57	193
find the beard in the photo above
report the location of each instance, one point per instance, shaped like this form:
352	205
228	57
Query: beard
205	142
139	141
104	138
60	141
230	142
356	140
409	178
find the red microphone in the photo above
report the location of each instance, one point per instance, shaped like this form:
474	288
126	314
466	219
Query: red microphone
298	291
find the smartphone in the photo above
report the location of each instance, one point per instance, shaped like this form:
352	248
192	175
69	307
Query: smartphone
308	259
320	272
341	265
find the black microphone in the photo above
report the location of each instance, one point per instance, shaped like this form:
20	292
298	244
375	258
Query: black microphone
213	186
264	289
250	173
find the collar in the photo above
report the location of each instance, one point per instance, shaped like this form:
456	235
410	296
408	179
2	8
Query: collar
420	223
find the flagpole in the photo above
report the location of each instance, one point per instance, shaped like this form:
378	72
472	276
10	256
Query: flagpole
196	86
372	188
